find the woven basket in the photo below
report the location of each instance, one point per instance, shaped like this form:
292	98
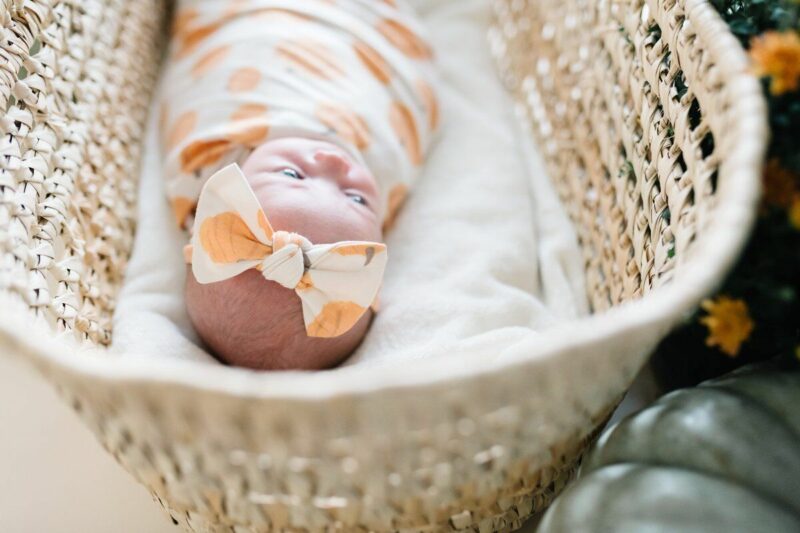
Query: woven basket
653	132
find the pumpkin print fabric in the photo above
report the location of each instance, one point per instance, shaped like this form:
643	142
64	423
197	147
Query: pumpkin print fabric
336	283
357	73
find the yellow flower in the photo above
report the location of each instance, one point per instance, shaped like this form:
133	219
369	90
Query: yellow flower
777	55
794	213
780	185
728	323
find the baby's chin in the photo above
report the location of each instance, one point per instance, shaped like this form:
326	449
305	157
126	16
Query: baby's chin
250	322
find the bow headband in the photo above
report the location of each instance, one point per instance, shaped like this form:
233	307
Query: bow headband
336	283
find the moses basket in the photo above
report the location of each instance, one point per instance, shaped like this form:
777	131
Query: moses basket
653	132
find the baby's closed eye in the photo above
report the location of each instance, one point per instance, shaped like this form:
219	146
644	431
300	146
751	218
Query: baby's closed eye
357	198
292	173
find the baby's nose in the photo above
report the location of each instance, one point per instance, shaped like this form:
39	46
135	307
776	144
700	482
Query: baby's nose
332	163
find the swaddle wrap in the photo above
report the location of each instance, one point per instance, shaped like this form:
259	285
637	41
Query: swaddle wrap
352	72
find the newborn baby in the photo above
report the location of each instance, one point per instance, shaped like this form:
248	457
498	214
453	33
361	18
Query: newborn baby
292	131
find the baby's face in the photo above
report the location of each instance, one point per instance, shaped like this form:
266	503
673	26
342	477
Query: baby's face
305	186
316	189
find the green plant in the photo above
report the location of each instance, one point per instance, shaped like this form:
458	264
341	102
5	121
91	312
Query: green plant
756	313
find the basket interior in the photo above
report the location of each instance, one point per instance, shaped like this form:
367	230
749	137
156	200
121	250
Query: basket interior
629	106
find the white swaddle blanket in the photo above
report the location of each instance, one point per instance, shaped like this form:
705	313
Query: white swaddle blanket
497	265
356	73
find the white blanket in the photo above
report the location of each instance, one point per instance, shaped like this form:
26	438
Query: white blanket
501	260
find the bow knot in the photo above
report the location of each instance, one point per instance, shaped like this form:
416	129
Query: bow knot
282	238
336	282
287	262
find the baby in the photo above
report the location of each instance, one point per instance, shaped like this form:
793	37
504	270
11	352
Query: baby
291	132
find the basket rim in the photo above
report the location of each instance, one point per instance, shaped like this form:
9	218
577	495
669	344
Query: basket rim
715	252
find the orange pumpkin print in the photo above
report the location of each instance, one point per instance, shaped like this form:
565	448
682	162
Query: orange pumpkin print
397	196
235	7
181	129
311	57
355	249
335	319
404	39
250	133
264	224
347	124
247	111
182	207
406	129
367	251
203	152
305	282
431	105
210	60
227	239
191	37
374	62
244	79
250	126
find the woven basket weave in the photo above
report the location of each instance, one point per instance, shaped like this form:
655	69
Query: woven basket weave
653	132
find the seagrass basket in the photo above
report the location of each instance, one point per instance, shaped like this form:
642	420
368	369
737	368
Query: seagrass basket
653	132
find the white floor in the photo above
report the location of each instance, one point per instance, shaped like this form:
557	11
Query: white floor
55	478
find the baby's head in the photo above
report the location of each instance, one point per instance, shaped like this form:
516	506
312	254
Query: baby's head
319	191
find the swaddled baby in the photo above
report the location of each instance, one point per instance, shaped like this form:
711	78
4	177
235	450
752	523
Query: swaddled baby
292	131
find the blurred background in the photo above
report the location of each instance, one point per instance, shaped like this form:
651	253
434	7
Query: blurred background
54	475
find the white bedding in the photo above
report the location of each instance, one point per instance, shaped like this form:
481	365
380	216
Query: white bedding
500	259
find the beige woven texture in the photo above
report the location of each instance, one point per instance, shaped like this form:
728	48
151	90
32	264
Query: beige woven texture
653	131
74	88
628	102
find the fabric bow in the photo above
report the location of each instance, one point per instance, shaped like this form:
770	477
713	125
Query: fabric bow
336	283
